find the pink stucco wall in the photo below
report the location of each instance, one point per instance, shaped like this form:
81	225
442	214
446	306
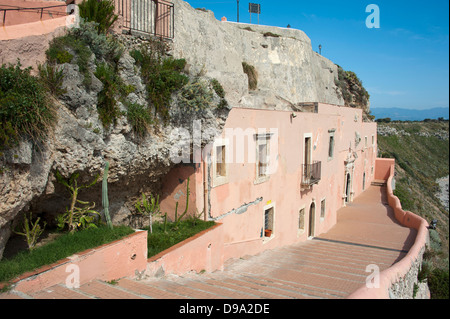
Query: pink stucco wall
239	202
111	261
202	252
14	17
383	167
175	190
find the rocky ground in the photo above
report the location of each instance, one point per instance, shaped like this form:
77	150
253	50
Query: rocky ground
444	193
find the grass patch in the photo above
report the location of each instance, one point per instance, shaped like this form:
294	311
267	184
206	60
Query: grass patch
162	239
60	248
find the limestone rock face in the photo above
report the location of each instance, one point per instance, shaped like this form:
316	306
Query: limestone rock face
289	71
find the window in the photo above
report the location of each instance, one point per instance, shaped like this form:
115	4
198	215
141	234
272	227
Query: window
221	168
269	221
365	141
262	157
322	209
331	144
301	220
220	162
373	140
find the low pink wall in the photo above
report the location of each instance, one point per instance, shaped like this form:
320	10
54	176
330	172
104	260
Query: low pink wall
34	28
202	252
13	17
399	270
121	258
383	167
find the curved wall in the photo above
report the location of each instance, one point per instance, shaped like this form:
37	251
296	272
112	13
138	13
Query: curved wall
403	273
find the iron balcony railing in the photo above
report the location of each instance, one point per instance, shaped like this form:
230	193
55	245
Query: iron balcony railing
312	173
154	17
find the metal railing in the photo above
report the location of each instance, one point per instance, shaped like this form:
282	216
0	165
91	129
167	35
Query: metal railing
312	173
155	17
38	10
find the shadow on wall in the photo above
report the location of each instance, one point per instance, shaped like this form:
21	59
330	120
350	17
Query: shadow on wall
174	189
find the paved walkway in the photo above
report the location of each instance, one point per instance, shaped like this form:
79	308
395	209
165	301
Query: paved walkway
331	266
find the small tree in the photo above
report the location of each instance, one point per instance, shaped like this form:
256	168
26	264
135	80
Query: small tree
148	207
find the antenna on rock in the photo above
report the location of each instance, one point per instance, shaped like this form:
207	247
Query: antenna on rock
237	10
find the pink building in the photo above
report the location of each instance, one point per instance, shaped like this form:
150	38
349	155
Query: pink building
281	171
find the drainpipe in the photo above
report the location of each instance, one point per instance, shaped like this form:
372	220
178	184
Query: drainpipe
205	188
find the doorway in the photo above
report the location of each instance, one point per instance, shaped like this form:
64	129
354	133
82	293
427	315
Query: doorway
312	221
347	187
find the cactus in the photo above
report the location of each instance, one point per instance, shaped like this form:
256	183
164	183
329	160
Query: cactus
149	207
75	216
105	201
32	231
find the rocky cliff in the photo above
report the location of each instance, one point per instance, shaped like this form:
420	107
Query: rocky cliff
285	72
288	70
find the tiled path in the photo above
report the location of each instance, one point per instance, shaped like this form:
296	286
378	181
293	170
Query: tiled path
331	266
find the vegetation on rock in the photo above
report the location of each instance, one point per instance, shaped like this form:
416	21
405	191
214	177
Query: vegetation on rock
352	91
26	110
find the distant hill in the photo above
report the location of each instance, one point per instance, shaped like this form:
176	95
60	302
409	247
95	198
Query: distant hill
399	114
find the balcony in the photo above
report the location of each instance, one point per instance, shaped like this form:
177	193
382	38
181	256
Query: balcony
311	174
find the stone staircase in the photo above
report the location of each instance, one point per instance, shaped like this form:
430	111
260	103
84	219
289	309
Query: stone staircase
316	269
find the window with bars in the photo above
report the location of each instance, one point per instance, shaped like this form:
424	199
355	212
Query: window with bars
220	162
262	157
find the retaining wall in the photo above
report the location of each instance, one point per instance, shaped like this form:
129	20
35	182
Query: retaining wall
398	281
122	258
202	252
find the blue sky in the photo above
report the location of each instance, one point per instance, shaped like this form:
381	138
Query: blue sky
404	63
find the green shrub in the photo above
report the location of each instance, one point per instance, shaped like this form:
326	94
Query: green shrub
25	108
162	77
218	88
438	282
84	41
82	51
58	54
140	118
52	78
195	96
107	98
99	11
105	47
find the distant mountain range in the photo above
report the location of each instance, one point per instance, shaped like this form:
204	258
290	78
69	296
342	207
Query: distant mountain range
399	114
